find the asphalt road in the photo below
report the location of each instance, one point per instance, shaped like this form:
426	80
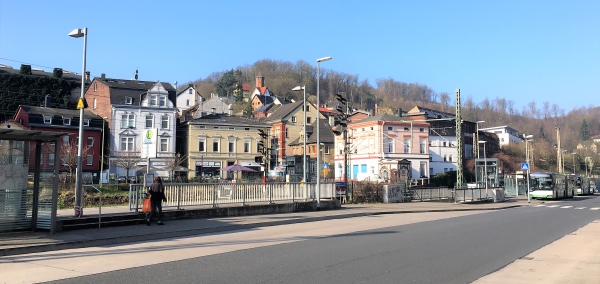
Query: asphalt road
459	249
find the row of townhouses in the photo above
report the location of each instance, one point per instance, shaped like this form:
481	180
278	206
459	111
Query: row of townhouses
146	126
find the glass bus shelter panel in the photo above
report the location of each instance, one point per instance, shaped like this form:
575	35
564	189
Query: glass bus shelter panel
492	176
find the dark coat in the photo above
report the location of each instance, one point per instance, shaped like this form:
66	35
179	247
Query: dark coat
157	191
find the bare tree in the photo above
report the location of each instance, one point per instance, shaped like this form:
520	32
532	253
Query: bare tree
127	160
174	162
69	154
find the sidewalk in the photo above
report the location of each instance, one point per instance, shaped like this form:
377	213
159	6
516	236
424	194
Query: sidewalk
30	242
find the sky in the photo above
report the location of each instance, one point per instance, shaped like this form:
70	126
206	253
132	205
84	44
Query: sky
521	50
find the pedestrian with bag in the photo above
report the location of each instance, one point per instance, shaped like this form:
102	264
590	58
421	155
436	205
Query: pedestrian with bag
157	196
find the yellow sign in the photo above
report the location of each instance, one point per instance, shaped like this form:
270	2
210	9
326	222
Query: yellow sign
80	103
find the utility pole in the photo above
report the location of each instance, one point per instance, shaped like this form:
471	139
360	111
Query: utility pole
558	151
459	156
343	130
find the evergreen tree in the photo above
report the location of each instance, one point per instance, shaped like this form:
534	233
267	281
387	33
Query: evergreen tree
229	85
585	134
542	133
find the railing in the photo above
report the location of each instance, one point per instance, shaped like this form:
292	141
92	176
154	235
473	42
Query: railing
99	204
214	194
475	194
429	193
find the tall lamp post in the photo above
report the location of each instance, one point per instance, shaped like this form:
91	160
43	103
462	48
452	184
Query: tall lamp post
527	139
78	188
484	166
318	190
102	152
477	135
303	88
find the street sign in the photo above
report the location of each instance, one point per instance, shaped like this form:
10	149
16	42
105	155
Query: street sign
525	166
340	184
80	104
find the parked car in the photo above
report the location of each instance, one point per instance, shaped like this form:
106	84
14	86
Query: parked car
121	179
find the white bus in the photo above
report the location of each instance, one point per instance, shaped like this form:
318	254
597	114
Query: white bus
547	185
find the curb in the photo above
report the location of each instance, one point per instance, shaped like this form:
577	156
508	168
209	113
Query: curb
200	231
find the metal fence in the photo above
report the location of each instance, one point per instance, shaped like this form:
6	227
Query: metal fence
214	194
429	193
476	194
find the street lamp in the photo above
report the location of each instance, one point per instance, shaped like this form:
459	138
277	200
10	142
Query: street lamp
484	165
318	190
78	189
573	155
527	139
102	152
303	88
477	135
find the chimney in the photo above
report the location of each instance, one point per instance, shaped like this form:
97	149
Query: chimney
260	81
103	76
400	112
87	76
376	110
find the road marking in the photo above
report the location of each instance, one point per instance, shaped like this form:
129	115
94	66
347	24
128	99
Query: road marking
552	206
541	205
580	207
566	206
595	208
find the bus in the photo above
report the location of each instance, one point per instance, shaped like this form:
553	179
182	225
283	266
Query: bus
548	185
582	185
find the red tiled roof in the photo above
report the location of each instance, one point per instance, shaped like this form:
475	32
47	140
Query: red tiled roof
246	87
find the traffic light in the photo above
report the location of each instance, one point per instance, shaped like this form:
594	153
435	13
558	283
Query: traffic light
261	147
258	159
262	134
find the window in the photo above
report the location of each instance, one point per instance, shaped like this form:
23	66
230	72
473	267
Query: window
149	121
161	101
189	91
51	159
422	169
90	141
406	145
326	149
201	146
389	145
390	128
127	144
231	128
307	119
246	146
231	147
86	122
95	87
47	119
371	127
66	141
450	158
128	100
41	159
445	158
444	143
164	144
95	103
406	129
215	146
187	102
66	121
421	129
286	133
89	160
152	100
127	120
164	122
293	119
422	146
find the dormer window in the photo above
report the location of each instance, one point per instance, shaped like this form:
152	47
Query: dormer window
161	101
152	100
66	120
128	100
86	122
47	119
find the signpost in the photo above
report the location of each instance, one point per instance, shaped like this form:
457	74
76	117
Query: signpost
525	167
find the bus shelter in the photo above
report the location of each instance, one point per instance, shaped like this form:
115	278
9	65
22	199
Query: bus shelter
486	172
28	200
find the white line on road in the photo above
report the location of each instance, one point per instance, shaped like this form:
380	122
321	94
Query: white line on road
580	208
552	206
566	206
595	208
541	205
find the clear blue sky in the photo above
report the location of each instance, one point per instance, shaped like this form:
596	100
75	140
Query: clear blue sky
522	50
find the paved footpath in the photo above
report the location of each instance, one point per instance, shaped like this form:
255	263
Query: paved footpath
29	242
555	263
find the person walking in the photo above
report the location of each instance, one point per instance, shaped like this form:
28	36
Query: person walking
157	196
